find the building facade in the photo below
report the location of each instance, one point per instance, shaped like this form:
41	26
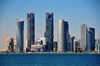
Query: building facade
92	31
84	36
37	48
97	44
76	44
9	44
71	43
20	34
30	29
41	41
62	36
55	46
49	31
89	40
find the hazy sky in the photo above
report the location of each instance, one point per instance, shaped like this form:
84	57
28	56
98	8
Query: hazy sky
76	12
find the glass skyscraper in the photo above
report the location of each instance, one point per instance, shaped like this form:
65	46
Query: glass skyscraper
89	40
30	29
92	31
20	34
49	31
71	43
62	35
84	36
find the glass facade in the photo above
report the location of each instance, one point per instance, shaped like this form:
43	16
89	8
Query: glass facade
92	30
89	40
30	29
71	43
49	31
62	35
84	37
66	29
99	44
20	34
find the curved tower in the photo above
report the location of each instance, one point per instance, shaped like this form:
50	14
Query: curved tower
20	34
62	35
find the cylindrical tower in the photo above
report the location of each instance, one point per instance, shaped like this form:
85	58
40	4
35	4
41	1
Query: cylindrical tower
20	34
61	36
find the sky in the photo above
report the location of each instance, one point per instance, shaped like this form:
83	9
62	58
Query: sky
76	12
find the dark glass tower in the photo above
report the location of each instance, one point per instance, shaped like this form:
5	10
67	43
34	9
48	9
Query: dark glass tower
89	40
92	30
49	31
66	29
20	34
71	43
30	29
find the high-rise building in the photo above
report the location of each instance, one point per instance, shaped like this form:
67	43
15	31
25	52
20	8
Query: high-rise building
76	44
49	31
9	46
92	37
97	44
20	34
84	36
62	35
71	43
89	40
30	29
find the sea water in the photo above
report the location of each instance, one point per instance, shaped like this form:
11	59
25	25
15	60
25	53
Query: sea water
47	59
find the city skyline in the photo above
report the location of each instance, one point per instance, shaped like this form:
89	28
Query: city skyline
74	21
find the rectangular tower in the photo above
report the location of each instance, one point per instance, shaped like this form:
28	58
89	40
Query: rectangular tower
30	29
9	44
84	36
92	30
49	31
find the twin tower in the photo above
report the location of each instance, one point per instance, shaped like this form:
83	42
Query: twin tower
63	32
31	30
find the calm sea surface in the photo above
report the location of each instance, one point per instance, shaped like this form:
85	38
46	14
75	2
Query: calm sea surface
50	59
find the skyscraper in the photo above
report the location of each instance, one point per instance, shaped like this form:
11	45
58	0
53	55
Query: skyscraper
30	29
97	43
71	43
9	46
76	44
49	31
62	35
89	40
84	36
92	30
20	34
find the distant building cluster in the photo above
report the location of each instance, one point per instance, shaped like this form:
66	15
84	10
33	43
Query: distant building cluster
65	42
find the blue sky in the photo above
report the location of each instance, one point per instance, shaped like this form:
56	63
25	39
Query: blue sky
76	12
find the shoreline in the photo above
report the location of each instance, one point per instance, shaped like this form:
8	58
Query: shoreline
55	53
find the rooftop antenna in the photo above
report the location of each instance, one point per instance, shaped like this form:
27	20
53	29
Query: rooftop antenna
30	8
